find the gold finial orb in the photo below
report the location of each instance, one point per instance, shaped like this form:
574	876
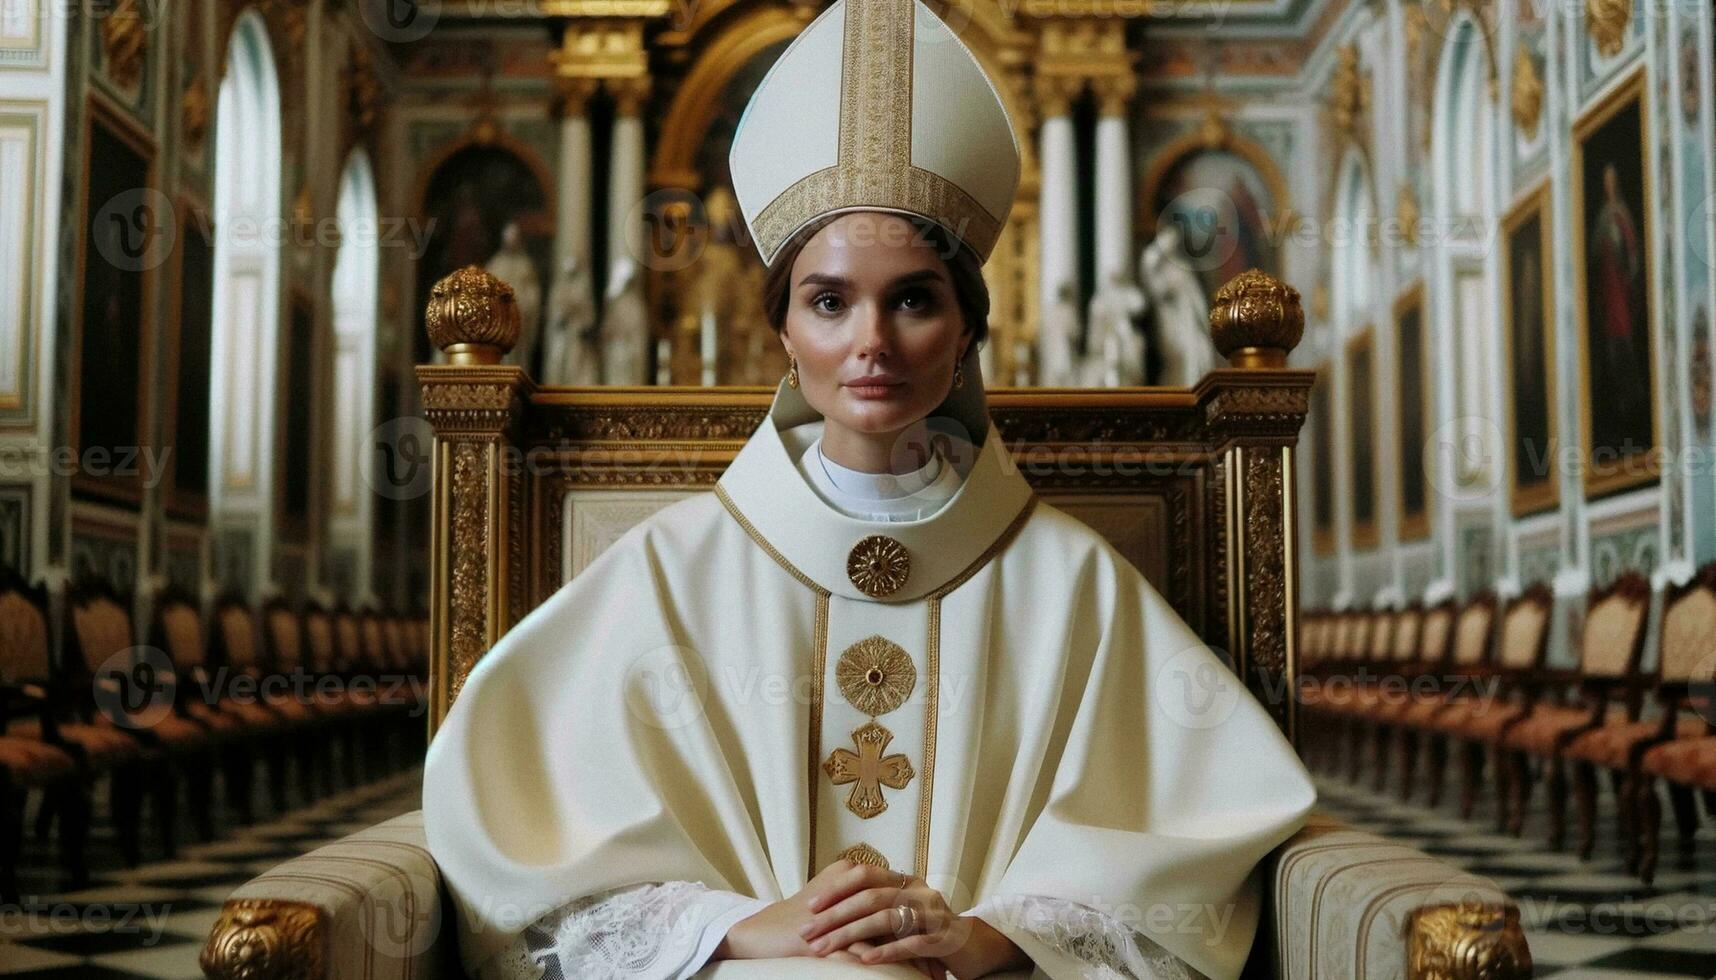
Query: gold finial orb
1256	320
473	317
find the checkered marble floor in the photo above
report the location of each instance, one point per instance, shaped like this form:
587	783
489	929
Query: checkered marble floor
1584	920
149	922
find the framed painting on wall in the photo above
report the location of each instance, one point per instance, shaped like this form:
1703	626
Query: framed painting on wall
1221	201
125	231
1361	414
298	391
1412	382
1322	420
188	335
1612	231
1528	340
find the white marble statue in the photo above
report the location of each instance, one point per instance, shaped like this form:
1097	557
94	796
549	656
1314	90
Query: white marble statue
1057	341
1114	356
571	355
1182	310
625	327
513	266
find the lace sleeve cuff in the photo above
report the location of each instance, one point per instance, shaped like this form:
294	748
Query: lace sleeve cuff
1067	940
649	931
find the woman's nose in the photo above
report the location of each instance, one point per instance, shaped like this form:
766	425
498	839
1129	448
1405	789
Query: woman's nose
873	330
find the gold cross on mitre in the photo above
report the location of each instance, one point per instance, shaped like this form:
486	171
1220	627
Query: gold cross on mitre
869	768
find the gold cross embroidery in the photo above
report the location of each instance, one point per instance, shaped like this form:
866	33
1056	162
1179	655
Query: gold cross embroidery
869	768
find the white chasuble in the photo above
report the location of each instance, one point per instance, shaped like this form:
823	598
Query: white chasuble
751	684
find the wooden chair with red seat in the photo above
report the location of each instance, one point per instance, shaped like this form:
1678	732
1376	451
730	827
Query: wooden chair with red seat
1417	687
1605	689
237	659
1371	696
290	693
360	694
1398	669
126	689
1355	644
1313	672
177	631
1337	693
1356	699
32	756
1502	688
1437	659
1681	751
329	693
71	721
388	702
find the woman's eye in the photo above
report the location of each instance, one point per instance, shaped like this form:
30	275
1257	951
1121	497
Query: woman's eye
917	299
826	303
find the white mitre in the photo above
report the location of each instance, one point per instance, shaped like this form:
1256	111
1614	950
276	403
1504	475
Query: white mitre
876	106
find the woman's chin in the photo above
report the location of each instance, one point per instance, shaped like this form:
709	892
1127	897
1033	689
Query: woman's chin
878	415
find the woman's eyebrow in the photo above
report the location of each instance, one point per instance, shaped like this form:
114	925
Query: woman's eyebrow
824	279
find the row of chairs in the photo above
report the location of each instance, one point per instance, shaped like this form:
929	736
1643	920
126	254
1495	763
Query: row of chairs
272	684
1471	681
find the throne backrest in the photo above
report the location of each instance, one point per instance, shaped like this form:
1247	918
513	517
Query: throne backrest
1196	486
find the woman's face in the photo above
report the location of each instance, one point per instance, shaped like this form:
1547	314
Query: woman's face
874	323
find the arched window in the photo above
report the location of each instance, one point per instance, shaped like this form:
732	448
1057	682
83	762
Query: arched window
1354	274
1464	164
247	227
356	271
1353	270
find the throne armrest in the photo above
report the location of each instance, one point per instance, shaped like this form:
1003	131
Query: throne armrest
367	905
1347	903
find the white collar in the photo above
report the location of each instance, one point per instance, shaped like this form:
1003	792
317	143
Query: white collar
879	496
872	486
816	542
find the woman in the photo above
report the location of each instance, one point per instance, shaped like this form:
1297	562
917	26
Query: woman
870	709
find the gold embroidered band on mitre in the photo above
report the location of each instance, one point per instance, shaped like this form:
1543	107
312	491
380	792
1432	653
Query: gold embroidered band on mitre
874	166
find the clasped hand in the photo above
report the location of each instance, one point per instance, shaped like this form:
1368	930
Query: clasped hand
849	912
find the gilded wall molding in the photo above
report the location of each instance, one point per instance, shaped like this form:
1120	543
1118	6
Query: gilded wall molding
267	939
1528	92
124	43
1606	21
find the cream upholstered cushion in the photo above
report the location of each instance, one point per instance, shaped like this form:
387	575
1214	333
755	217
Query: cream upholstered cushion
1343	898
375	899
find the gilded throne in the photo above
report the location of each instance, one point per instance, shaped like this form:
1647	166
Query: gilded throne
1194	485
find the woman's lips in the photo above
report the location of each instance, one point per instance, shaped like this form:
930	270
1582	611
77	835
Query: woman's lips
872	390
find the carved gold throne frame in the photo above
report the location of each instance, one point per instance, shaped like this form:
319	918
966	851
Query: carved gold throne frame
1194	485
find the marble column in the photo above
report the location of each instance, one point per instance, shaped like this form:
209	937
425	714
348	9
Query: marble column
1114	204
572	211
1057	228
625	333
